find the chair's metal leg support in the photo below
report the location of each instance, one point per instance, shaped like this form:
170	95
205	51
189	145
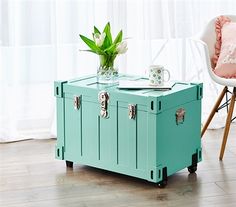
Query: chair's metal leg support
215	108
226	104
233	119
227	125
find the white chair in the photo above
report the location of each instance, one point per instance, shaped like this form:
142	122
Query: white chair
207	38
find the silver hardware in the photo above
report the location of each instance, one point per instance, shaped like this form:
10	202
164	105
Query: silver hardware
103	98
76	102
132	111
103	113
180	114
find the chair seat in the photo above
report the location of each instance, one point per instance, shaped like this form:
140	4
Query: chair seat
230	82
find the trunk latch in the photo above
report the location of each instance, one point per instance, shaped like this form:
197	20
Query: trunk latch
180	114
103	98
132	111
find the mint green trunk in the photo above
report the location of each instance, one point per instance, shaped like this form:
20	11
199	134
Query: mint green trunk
150	142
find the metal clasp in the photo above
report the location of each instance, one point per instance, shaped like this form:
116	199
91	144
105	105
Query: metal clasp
103	98
180	114
132	111
76	102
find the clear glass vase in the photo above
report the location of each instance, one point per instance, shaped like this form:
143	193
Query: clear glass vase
107	72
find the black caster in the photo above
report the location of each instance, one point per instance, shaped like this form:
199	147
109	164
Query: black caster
162	184
192	169
69	164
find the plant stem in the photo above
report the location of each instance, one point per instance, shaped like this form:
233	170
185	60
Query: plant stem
107	61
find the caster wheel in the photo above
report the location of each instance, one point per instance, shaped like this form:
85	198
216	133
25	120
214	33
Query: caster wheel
192	169
69	164
162	184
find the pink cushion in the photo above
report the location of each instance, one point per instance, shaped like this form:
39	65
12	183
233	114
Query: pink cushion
220	21
226	64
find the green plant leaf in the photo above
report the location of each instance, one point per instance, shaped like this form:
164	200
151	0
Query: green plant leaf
118	37
111	49
88	51
107	30
96	30
91	44
100	52
106	43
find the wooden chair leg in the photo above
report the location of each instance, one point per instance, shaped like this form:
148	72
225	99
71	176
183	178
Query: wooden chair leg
216	106
227	125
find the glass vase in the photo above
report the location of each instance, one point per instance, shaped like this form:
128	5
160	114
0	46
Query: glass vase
107	72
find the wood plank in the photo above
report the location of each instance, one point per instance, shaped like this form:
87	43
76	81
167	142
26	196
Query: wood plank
31	177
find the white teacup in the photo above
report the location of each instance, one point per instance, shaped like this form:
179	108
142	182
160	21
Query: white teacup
156	75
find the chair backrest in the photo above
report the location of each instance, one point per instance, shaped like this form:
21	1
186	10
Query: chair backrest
209	36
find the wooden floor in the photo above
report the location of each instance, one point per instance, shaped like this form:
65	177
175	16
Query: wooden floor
30	176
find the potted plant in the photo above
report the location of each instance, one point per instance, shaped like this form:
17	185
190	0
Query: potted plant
107	49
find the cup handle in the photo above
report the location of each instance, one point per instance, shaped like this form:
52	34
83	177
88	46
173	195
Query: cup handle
168	72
